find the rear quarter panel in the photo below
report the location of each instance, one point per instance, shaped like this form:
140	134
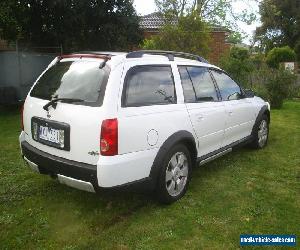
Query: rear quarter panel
148	127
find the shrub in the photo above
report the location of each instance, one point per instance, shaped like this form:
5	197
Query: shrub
278	55
279	84
272	84
297	50
261	91
238	64
149	44
295	92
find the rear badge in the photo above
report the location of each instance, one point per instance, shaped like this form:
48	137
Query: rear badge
93	153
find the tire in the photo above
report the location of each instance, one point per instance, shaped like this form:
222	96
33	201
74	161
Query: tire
173	180
261	133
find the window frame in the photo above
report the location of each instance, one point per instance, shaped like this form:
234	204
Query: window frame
212	78
224	72
126	81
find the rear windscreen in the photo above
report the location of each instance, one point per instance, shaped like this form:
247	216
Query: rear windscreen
84	80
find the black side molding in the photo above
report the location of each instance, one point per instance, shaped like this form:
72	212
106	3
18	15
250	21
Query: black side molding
232	146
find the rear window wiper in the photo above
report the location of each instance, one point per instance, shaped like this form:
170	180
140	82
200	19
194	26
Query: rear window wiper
54	101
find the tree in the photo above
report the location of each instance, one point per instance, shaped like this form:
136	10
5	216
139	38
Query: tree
235	38
213	12
172	8
191	35
217	12
280	23
76	24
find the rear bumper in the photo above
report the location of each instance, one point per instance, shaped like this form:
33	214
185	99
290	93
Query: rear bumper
75	174
68	172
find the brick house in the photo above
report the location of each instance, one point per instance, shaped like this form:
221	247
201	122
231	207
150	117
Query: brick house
150	24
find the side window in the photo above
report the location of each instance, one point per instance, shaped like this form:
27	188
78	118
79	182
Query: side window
197	84
148	85
229	90
188	88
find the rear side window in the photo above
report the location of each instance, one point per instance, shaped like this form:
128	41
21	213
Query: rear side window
149	85
197	84
228	88
73	79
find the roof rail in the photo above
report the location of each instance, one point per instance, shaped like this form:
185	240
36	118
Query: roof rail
107	53
169	54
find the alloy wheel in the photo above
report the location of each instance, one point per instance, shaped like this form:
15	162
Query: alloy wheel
177	174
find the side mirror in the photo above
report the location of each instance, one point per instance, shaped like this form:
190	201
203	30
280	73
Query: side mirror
248	93
235	96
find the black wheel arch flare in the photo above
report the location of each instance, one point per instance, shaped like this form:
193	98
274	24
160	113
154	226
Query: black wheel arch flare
263	111
183	137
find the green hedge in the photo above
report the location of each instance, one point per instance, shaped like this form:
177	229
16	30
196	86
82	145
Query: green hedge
279	55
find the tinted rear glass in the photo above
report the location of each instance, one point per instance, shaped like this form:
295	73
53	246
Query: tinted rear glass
73	79
149	85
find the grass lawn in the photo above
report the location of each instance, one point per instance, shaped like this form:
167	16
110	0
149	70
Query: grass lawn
246	191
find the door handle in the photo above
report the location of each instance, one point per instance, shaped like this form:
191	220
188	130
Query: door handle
230	113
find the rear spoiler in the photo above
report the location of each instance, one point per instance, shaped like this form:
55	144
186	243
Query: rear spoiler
105	57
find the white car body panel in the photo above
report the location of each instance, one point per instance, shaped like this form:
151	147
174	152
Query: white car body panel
117	170
208	120
240	118
85	124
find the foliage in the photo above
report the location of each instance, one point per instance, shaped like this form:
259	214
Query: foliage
297	50
235	38
10	28
238	65
190	35
274	85
280	23
76	24
278	55
172	8
216	12
251	71
278	86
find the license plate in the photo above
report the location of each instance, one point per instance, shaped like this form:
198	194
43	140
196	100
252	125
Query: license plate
50	134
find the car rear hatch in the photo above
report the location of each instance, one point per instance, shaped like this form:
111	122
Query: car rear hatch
63	113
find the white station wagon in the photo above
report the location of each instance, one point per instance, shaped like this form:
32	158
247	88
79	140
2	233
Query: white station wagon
142	119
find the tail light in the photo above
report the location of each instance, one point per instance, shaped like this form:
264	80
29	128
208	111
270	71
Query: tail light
22	119
109	137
